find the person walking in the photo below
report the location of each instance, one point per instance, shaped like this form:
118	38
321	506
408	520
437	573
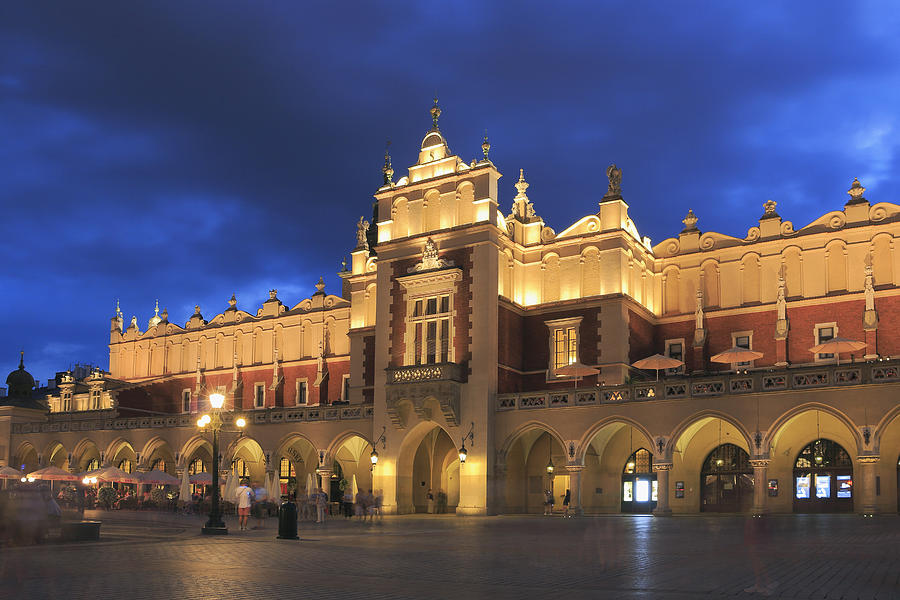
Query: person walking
429	497
548	502
244	498
348	502
321	499
566	500
259	505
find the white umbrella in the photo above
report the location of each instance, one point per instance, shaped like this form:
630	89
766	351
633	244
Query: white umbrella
203	478
53	474
230	487
275	489
354	487
117	475
576	370
836	346
184	493
157	478
10	473
657	362
310	486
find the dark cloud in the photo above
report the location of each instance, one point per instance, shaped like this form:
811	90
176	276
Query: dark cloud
185	151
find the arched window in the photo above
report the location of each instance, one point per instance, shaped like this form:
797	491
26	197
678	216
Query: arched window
127	466
158	465
93	465
287	476
239	467
726	480
196	466
823	478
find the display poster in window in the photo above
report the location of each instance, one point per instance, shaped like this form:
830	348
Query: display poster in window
642	490
654	490
679	489
626	491
803	487
773	487
823	486
844	486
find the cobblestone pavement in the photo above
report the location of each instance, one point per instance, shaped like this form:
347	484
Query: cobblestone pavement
147	555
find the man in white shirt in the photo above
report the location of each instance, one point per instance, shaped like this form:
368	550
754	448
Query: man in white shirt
244	497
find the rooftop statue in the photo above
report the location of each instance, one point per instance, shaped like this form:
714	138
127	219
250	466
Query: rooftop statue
614	174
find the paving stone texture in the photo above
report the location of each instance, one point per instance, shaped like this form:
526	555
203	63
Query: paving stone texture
153	556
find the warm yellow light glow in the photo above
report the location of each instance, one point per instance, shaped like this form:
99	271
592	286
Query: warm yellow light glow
203	421
240	422
374	458
463	454
630	465
482	209
31	480
24	479
216	400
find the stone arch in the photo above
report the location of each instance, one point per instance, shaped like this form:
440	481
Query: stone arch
551	277
55	454
526	453
409	463
157	447
191	447
431	210
792	263
27	455
591	280
85	451
882	426
465	193
400	218
370	304
780	425
115	447
671	285
352	451
690	425
588	437
709	277
302	453
250	450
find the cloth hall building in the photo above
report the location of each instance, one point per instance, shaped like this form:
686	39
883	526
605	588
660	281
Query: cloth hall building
459	320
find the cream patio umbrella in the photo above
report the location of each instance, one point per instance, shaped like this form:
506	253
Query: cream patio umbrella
117	475
53	474
836	346
310	484
735	355
576	370
353	487
7	473
274	489
157	478
230	487
657	362
203	478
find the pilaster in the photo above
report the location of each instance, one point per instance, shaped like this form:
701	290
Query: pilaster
760	485
662	489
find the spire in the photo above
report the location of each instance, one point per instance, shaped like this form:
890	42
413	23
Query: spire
155	319
21	360
523	209
388	170
435	113
486	147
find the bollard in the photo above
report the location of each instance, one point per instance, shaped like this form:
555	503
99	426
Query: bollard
287	521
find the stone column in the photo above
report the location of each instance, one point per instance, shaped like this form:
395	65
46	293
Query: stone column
662	489
575	489
324	479
866	504
760	485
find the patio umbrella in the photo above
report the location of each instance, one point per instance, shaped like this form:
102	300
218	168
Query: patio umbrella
736	355
184	492
53	474
274	489
230	487
201	478
354	487
836	346
657	362
117	475
157	478
576	370
10	473
310	485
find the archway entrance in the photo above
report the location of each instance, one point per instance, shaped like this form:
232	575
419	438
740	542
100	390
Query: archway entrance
823	478
726	480
527	476
639	483
433	464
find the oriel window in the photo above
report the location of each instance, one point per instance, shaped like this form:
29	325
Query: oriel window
430	321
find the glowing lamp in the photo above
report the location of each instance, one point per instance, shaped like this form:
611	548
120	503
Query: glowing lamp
216	400
550	467
24	479
630	465
463	454
818	458
240	422
719	462
374	458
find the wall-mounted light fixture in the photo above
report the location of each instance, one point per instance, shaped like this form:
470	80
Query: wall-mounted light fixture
374	455
463	453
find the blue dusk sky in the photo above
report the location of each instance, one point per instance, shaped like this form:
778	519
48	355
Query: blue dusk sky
183	151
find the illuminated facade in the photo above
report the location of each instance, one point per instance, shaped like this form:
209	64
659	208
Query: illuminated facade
457	329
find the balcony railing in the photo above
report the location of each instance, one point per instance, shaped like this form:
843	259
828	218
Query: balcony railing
423	373
683	387
299	414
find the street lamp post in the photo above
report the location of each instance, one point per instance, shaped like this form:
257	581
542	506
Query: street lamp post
213	420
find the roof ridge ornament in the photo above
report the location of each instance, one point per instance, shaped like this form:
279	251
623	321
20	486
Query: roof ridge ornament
769	208
856	192
362	234
387	170
690	222
430	259
523	208
486	148
435	114
614	189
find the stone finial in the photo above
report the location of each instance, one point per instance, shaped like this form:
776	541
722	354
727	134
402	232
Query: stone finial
133	322
273	294
522	208
614	174
690	222
164	315
197	309
232	302
118	310
485	147
435	113
155	319
869	287
387	170
320	286
856	192
344	265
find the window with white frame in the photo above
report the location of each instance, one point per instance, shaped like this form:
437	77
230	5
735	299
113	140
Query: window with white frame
675	349
186	401
430	323
301	391
564	335
824	332
345	388
259	395
67	401
95	399
743	339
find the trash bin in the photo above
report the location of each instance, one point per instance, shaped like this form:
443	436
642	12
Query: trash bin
287	521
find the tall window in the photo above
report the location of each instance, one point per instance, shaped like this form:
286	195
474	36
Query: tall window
66	401
127	466
158	465
239	468
93	465
823	334
186	401
675	349
95	399
345	392
301	391
565	346
743	339
430	321
259	396
196	466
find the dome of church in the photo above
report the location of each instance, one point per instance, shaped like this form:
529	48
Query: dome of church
20	382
